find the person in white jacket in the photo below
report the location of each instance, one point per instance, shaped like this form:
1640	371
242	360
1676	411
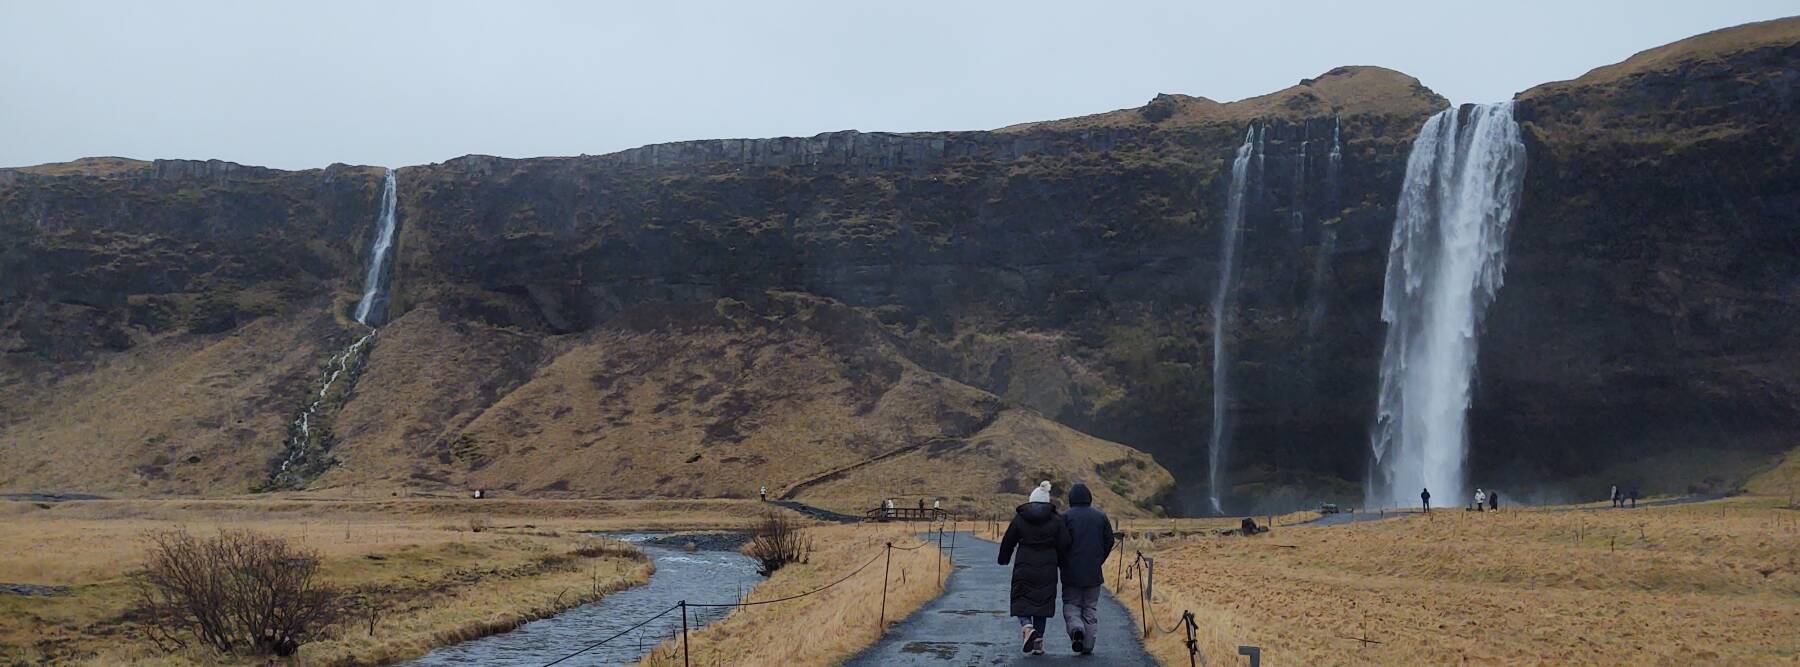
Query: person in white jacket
1480	500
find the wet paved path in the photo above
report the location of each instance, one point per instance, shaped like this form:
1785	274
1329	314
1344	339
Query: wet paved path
968	625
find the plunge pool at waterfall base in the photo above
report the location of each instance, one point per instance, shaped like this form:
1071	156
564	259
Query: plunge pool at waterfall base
713	572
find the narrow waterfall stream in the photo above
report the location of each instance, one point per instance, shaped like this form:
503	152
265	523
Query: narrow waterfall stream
1316	300
1445	266
1249	152
303	454
372	309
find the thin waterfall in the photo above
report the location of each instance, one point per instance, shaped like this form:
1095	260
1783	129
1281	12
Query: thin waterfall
1445	265
1334	165
372	309
1328	238
300	435
1296	216
303	454
1321	280
1250	152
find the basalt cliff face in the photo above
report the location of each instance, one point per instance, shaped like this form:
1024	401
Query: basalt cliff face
703	317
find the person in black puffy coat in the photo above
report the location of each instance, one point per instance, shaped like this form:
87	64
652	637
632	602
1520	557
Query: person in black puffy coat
1091	541
1039	536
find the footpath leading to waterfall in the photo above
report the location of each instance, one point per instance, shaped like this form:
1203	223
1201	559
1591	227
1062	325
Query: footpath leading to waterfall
968	624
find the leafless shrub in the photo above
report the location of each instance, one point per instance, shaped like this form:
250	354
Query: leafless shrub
779	540
478	524
239	593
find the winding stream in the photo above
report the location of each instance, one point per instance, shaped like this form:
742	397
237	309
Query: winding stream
715	572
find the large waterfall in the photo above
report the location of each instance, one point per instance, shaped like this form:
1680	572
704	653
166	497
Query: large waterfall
372	309
1445	265
1250	152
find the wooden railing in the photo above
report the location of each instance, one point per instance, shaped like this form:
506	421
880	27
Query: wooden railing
907	514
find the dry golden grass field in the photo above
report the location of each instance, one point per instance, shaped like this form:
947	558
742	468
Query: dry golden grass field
438	570
832	625
1715	583
1697	584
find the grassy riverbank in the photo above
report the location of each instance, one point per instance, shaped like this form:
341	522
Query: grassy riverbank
832	625
434	571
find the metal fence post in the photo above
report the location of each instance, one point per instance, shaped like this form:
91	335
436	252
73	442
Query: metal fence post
684	634
1150	577
885	567
940	554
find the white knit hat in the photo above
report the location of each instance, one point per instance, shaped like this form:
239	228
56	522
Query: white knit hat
1041	494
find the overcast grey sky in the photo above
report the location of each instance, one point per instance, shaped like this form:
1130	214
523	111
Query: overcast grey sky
304	84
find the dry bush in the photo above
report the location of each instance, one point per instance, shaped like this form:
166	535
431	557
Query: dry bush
608	549
779	539
238	592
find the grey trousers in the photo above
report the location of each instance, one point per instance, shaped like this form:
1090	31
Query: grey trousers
1080	612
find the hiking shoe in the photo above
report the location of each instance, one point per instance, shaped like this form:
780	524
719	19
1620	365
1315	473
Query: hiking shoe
1026	635
1037	643
1075	637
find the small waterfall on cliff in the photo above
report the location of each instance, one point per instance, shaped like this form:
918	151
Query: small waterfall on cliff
302	454
372	309
301	434
1328	237
1221	308
1296	207
1337	148
1321	280
1445	265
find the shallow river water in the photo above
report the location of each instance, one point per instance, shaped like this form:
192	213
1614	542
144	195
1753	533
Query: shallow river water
715	572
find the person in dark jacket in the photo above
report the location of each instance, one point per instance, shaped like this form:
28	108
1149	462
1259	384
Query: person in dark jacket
1039	535
1090	542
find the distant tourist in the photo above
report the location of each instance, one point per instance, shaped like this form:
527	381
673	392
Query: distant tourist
480	493
1090	542
921	504
1040	536
1480	500
764	492
1425	499
1634	497
1615	495
1494	500
1247	526
937	504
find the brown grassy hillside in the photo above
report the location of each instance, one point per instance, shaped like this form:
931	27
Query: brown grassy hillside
694	404
714	406
182	414
1713	46
1343	91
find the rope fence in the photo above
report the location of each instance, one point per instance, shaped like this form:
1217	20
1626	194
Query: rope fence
1143	571
886	555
